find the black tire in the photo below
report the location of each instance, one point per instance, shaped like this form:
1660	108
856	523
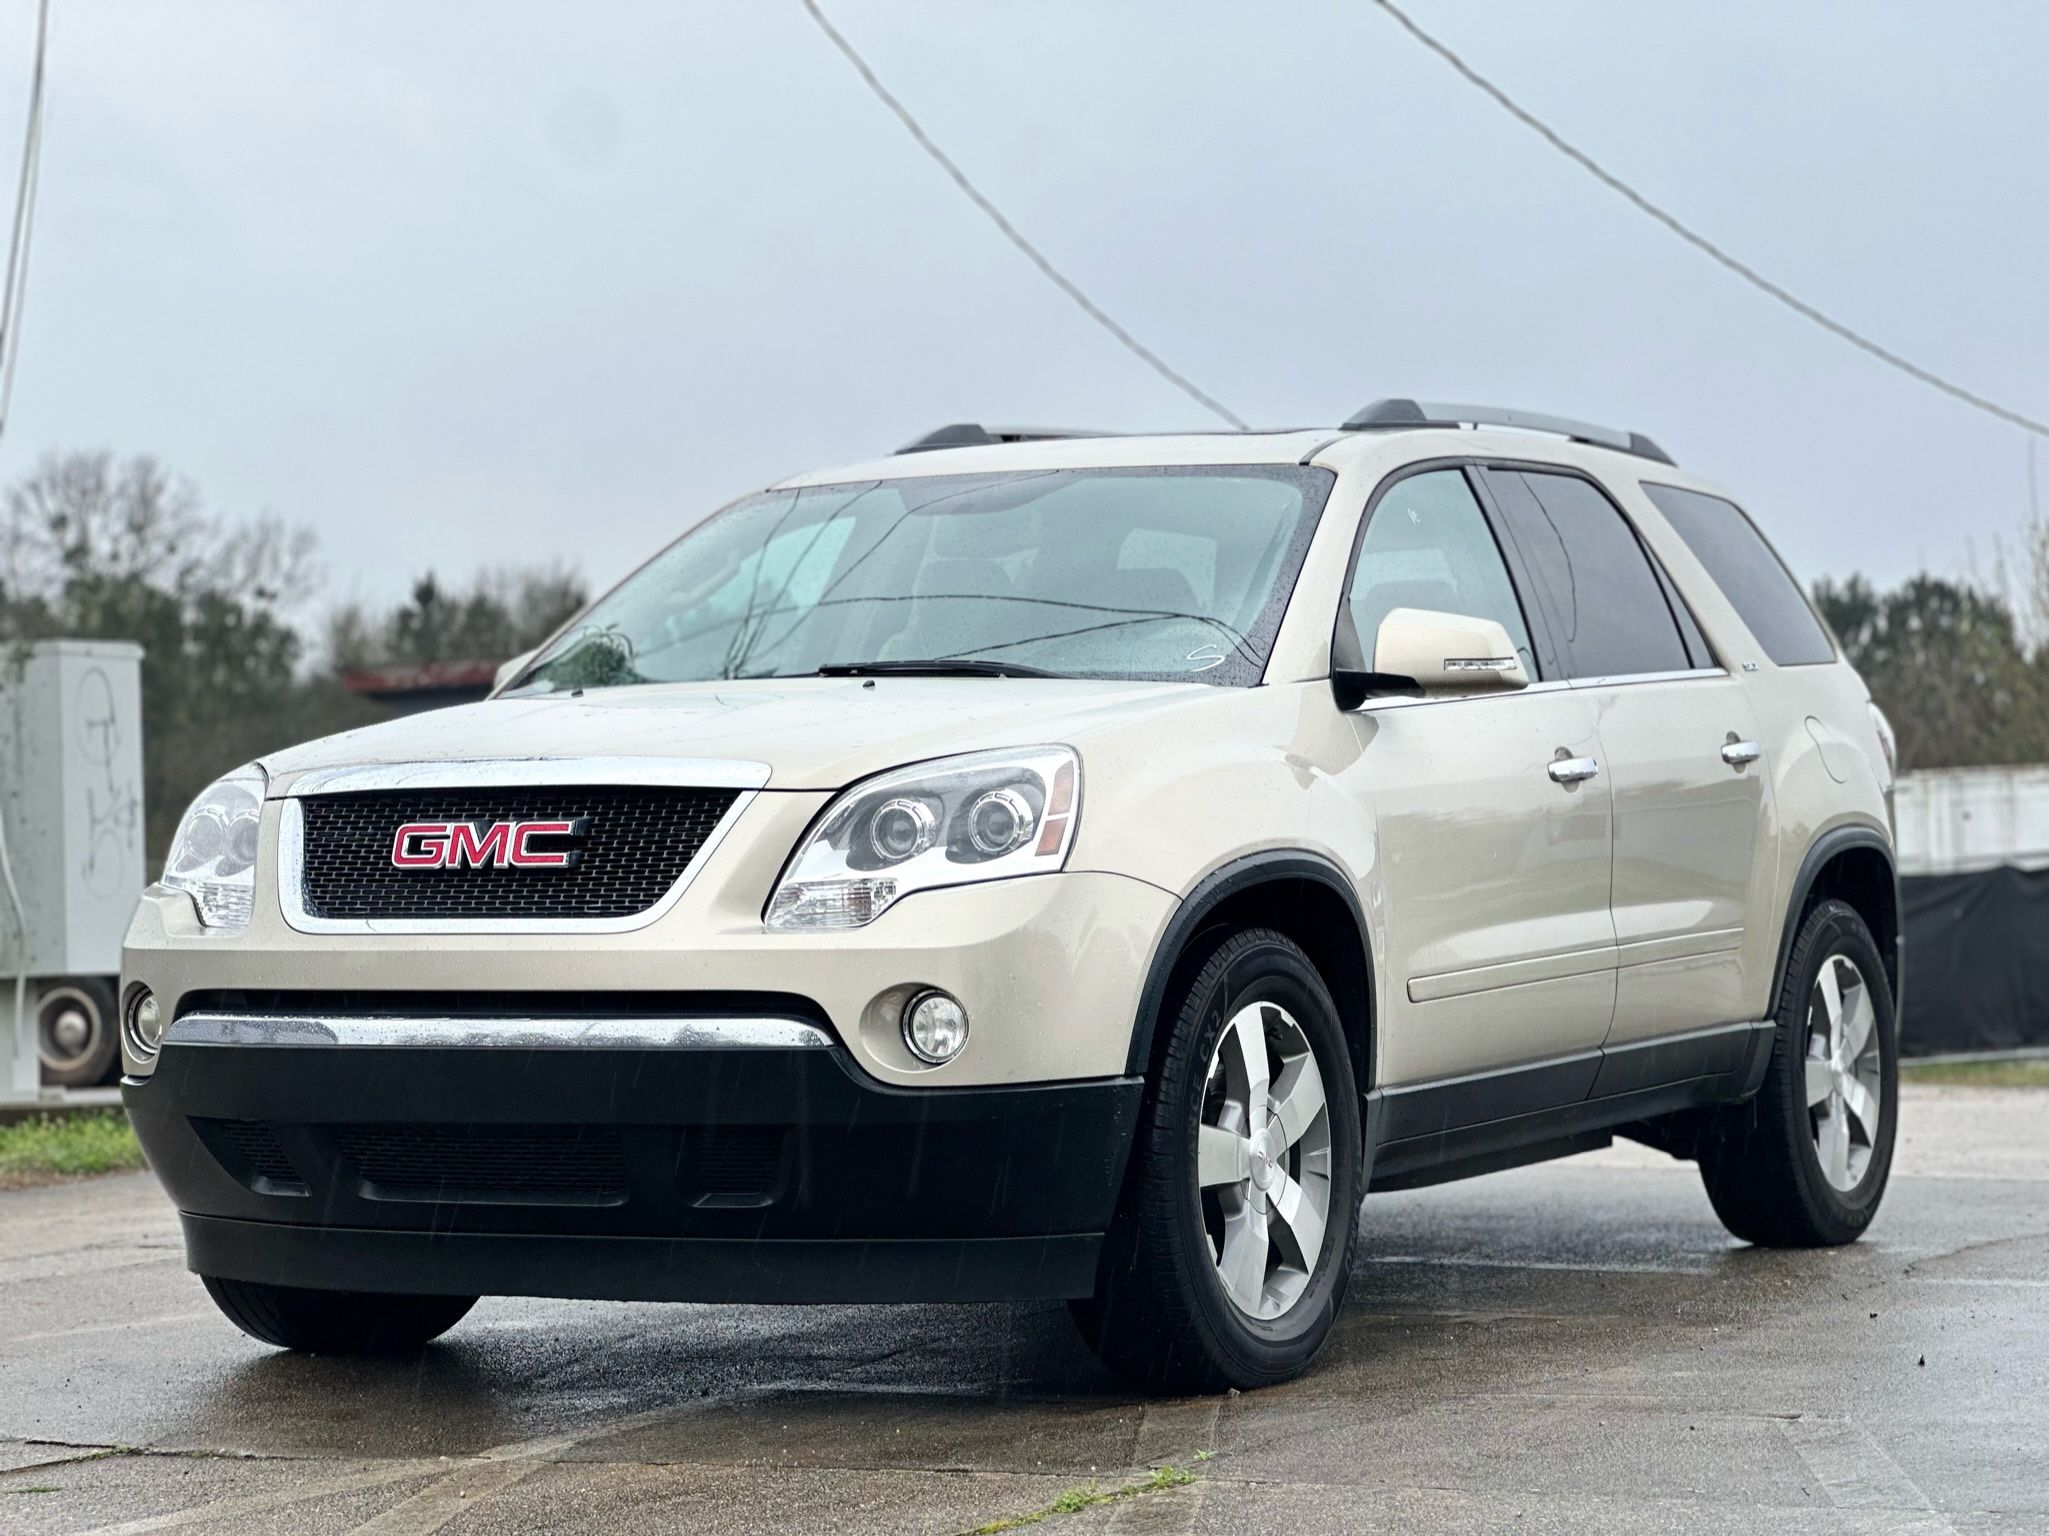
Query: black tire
1760	1163
1160	1318
335	1322
64	1007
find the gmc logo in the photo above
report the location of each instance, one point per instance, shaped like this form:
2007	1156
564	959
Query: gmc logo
484	844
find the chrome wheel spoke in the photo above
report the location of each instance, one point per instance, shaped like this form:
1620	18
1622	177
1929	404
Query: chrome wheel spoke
1858	1019
1298	1098
1221	1157
1821	1081
1245	1041
1299	1229
1835	1146
1831	1002
1863	1103
1243	1261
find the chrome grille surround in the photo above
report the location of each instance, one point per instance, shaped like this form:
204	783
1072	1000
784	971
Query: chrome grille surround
745	778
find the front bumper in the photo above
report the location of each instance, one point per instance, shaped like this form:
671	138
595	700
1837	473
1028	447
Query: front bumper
658	1171
1049	967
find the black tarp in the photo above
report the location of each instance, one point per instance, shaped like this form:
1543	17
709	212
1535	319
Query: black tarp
1977	961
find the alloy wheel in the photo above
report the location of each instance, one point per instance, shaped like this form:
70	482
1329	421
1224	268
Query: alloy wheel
1263	1160
1845	1093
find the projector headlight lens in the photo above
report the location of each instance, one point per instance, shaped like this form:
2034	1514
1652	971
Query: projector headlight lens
902	829
999	821
213	855
956	821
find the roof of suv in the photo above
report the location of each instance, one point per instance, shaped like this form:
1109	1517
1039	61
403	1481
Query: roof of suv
1094	452
967	447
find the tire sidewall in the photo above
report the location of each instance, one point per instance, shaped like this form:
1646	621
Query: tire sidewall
1268	970
1835	929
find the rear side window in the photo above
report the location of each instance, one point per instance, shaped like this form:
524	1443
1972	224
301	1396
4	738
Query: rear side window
1596	589
1758	587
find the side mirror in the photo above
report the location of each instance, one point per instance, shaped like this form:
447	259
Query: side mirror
507	671
1421	651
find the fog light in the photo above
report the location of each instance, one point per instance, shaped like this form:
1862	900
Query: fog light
935	1027
144	1024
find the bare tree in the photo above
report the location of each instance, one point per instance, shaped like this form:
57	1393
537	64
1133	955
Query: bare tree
86	517
95	548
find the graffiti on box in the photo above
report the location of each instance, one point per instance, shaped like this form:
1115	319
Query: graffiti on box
113	800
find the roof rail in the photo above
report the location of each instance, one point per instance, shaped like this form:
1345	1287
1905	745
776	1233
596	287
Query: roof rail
1384	415
972	434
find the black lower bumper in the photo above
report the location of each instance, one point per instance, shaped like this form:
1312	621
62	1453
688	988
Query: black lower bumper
645	1268
642	1174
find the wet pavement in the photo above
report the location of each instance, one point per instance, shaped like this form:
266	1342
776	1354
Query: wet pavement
1574	1347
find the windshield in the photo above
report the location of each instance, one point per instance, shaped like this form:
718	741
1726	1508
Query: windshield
1167	573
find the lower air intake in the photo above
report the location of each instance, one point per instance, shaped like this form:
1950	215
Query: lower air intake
249	1150
732	1165
539	1165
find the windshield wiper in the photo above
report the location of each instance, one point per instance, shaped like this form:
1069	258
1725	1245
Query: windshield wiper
935	666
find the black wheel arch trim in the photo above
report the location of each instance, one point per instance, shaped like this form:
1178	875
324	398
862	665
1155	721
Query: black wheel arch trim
1219	885
1824	849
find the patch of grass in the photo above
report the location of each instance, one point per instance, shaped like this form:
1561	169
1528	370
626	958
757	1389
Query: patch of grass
34	1488
1088	1496
1977	1074
50	1148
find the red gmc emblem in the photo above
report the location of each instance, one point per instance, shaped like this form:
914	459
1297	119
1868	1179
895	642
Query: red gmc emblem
484	844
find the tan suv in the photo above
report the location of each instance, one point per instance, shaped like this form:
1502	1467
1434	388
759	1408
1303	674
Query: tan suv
1048	865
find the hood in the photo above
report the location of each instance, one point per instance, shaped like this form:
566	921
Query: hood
810	733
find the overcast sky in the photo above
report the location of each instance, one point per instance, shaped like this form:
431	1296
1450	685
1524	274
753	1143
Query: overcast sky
469	284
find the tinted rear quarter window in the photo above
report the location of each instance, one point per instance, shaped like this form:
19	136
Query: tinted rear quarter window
1599	594
1758	586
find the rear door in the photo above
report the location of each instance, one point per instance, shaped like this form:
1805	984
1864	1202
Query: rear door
1493	862
1694	842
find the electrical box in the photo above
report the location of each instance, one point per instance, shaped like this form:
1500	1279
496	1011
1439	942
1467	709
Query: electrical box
71	793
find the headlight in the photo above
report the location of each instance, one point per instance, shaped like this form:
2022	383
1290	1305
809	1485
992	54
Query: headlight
957	821
213	857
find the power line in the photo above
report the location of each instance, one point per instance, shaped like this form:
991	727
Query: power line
1699	241
16	282
1010	232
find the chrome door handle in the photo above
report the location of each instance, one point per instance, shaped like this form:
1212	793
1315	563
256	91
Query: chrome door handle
1738	754
1572	770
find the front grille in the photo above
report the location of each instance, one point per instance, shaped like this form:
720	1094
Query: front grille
249	1150
638	841
552	1165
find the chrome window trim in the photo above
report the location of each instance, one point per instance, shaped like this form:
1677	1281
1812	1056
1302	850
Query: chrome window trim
499	1033
518	772
1548	685
291	846
1630	679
